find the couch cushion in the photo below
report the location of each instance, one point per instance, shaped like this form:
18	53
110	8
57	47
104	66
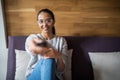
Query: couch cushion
22	60
106	65
104	44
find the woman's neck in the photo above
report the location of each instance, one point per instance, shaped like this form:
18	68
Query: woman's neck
47	36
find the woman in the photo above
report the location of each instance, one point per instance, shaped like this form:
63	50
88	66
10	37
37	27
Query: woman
48	51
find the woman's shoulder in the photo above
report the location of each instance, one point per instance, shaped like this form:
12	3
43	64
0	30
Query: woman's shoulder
60	38
32	36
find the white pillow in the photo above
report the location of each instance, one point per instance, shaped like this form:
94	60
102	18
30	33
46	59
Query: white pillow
106	65
22	59
68	72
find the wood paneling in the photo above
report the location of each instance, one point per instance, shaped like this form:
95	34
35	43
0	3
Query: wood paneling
73	17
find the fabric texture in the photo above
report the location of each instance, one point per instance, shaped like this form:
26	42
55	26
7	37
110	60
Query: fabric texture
68	72
106	65
22	59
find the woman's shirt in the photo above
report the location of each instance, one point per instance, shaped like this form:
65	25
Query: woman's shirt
58	43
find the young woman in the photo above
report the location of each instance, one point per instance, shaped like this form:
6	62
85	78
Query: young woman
48	51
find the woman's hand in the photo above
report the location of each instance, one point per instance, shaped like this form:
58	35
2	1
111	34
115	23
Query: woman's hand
51	53
54	54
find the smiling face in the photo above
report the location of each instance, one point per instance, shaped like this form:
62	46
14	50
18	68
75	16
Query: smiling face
45	22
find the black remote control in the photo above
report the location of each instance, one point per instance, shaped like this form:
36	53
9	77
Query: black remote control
42	44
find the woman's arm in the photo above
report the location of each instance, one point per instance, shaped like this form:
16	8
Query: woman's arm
31	46
63	55
37	49
60	64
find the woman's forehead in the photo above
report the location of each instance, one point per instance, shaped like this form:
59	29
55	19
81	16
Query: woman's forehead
44	15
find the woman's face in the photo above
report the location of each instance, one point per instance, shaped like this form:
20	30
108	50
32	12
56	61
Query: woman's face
45	22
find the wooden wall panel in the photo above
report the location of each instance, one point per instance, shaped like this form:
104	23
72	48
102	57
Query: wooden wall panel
73	17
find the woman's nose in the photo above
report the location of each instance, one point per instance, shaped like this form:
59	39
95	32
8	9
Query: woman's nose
44	23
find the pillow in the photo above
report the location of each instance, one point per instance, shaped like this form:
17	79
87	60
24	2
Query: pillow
68	72
22	59
106	65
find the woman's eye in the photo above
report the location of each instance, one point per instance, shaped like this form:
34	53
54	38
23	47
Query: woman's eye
40	21
48	20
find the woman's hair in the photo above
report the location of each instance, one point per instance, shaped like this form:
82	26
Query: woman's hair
52	16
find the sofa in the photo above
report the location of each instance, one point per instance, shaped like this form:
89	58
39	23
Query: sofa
81	65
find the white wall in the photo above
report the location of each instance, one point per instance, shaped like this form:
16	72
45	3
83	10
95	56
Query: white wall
3	49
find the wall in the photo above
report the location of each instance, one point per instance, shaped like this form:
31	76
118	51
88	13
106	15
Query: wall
73	17
3	49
